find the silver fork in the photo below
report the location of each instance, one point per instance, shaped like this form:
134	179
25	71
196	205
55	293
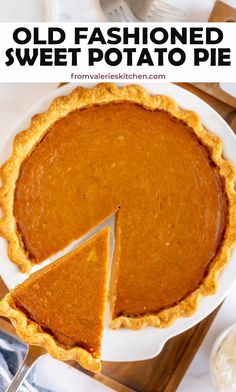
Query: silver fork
141	10
118	11
156	10
32	355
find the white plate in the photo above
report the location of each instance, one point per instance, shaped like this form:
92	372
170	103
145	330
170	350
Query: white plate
27	10
126	345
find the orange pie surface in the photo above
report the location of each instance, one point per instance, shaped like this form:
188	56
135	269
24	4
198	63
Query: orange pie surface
153	172
66	300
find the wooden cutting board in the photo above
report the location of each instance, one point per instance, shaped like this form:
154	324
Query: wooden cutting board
164	372
222	12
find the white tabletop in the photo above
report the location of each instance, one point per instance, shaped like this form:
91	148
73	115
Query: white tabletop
15	99
85	10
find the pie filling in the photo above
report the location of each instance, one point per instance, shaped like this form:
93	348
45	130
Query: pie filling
153	170
63	340
63	302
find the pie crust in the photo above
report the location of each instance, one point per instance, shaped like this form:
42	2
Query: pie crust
26	141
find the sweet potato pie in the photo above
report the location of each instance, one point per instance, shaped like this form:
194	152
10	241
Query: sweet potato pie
106	151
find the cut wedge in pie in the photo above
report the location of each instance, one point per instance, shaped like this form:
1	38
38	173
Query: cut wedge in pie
61	306
109	150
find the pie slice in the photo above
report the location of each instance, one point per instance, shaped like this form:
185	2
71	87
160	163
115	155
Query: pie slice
61	307
107	150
